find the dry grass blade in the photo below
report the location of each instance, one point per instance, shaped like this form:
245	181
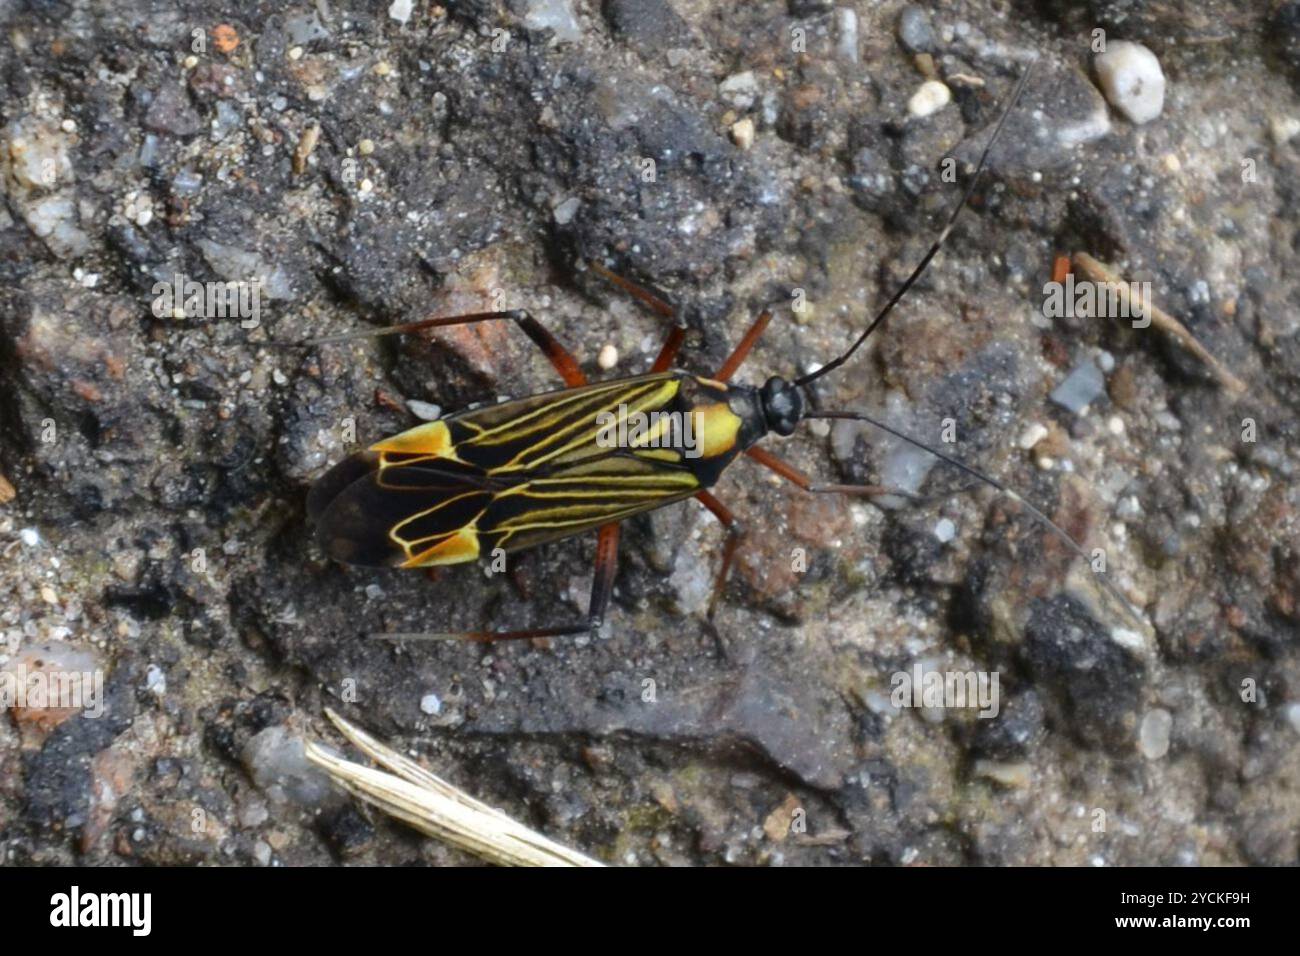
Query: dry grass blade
436	808
1098	272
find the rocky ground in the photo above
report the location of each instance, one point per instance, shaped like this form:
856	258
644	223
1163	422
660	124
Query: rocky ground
377	165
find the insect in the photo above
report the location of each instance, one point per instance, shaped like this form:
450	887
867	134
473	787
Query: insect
533	470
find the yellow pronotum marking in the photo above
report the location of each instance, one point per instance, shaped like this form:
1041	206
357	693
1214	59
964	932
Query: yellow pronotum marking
716	429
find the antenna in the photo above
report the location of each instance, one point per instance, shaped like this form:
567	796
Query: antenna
934	247
1036	512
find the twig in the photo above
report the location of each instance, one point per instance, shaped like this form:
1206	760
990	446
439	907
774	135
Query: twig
1132	297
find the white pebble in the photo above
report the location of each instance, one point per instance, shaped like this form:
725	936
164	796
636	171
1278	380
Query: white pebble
607	358
1153	735
1293	716
400	10
1132	80
1032	435
930	98
742	133
425	411
30	537
430	704
945	530
1115	425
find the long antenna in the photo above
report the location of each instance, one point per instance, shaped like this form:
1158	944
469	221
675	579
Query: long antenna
934	247
1037	513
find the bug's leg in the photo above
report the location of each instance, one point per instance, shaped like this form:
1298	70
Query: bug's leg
735	532
556	353
791	473
676	336
602	588
742	349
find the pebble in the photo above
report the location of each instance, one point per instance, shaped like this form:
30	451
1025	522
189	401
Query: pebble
30	537
608	357
740	89
1153	735
1283	129
1019	775
1032	435
945	530
566	210
914	30
930	98
430	704
400	10
1132	80
555	15
846	28
1084	385
425	411
742	133
1293	716
155	681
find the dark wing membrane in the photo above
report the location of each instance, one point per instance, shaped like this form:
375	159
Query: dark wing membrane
512	475
405	516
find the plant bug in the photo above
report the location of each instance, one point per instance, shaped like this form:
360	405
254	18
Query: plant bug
533	470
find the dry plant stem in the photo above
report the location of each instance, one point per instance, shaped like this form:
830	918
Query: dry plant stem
436	808
1098	272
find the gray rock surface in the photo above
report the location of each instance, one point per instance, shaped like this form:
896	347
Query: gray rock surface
373	171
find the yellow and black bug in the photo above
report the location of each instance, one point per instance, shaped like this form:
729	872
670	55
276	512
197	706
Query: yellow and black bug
533	470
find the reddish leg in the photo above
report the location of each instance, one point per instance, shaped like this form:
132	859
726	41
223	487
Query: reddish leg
791	473
742	350
559	356
602	587
676	336
734	534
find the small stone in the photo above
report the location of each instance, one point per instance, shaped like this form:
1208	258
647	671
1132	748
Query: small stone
945	530
914	30
425	411
295	53
1153	735
400	10
366	147
1283	129
1293	716
430	704
608	357
366	186
566	210
930	98
846	30
1132	80
740	89
1171	163
1018	775
155	681
29	537
554	15
1032	435
1083	386
742	133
